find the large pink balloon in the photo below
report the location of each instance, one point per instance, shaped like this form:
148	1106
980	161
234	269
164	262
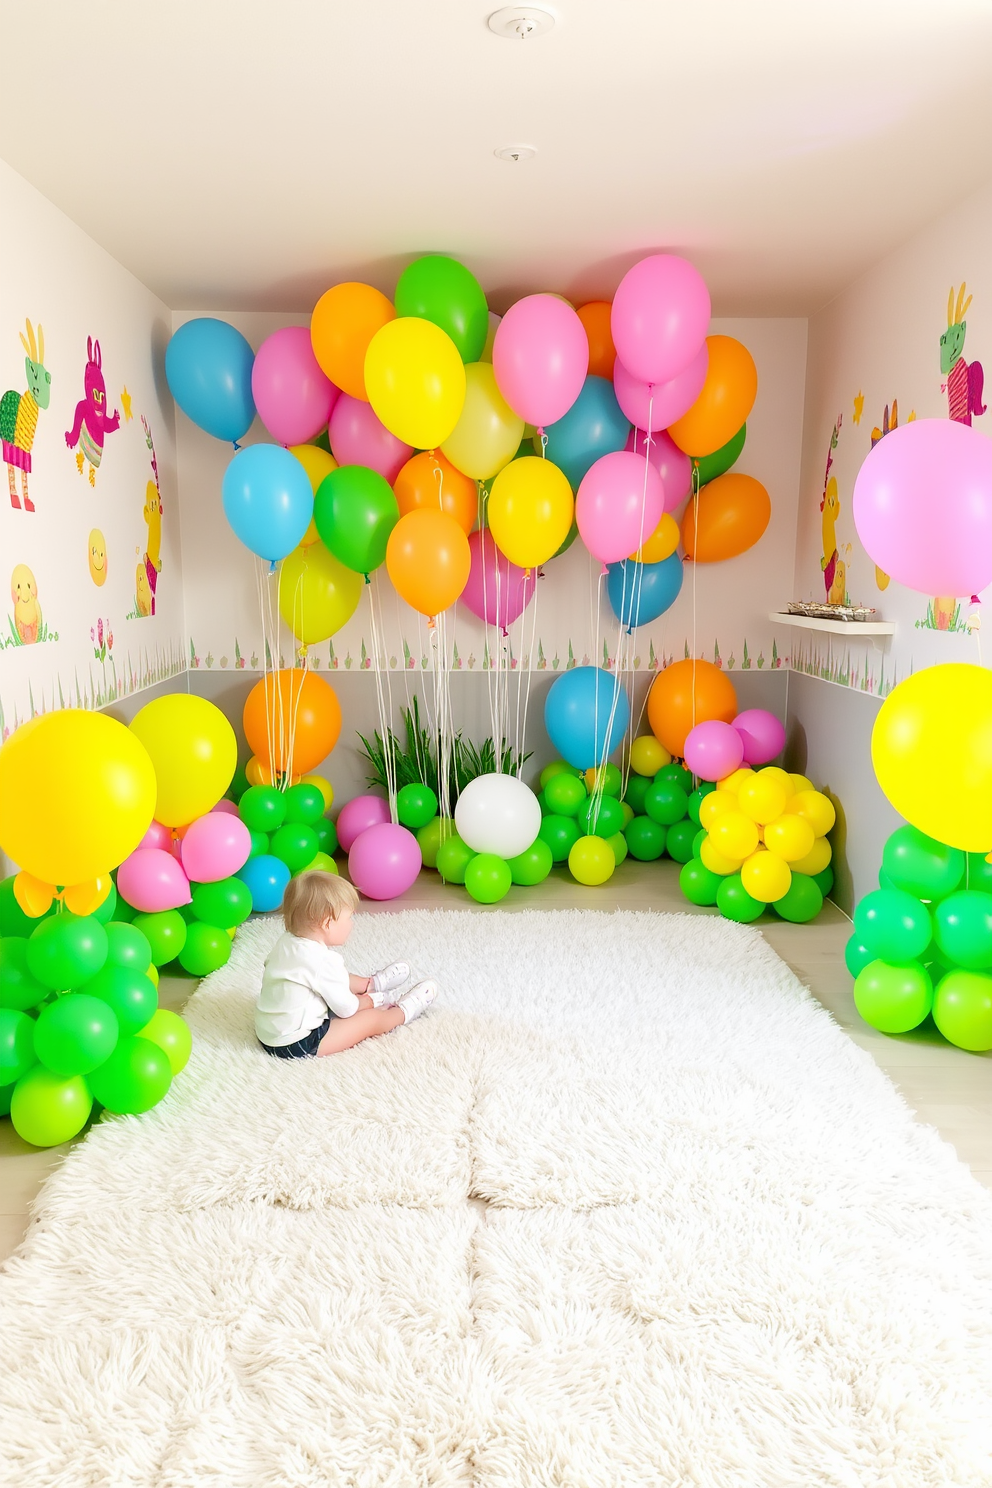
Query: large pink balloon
540	358
660	316
158	835
357	815
151	880
497	590
762	735
671	463
359	438
293	397
215	846
620	502
384	861
713	750
656	405
923	507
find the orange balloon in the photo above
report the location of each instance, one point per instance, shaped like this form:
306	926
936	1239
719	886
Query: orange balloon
343	322
431	482
724	404
259	774
684	694
428	559
294	718
595	317
726	519
661	544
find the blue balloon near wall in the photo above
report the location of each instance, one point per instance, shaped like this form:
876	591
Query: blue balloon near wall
592	427
266	878
268	499
208	368
577	715
640	592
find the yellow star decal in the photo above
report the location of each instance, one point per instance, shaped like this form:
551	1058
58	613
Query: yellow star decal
859	404
126	405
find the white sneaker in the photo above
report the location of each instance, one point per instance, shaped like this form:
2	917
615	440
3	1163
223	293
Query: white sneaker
386	981
417	1000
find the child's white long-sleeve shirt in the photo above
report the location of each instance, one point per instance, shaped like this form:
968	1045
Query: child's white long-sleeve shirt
302	980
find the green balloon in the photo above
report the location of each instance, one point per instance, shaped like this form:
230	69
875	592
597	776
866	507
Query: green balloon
884	881
962	1010
238	785
963	929
680	840
65	951
564	795
172	1035
893	998
720	461
488	878
676	774
124	913
304	803
294	844
416	805
355	511
698	884
260	843
557	767
453	857
637	788
430	837
262	808
16	1044
533	865
802	900
645	839
225	903
18	988
920	865
857	955
133	1079
131	994
561	833
75	1033
127	946
977	873
327	836
6	1092
824	880
441	290
698	796
47	1109
542	801
735	903
618	844
105	912
666	802
600	817
319	863
206	949
697	843
165	933
896	926
612	780
13	920
573	531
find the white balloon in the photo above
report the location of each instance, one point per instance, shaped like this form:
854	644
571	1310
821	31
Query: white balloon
498	814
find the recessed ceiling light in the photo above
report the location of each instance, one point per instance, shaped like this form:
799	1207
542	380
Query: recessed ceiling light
519	23
515	152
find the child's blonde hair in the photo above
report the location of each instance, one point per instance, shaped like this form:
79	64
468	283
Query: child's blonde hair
315	897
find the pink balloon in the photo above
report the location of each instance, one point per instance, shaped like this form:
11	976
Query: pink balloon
497	590
151	880
762	735
384	861
293	397
358	815
226	807
674	467
660	316
540	358
620	502
713	750
215	846
661	403
358	438
158	835
923	507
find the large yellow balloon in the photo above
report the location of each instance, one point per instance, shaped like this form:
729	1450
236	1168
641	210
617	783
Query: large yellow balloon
932	751
193	751
317	463
415	381
530	510
317	594
488	433
77	794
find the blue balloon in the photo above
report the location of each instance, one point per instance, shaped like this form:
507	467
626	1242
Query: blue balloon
577	715
208	368
266	878
640	592
593	426
268	499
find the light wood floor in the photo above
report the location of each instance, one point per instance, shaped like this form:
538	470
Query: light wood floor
948	1089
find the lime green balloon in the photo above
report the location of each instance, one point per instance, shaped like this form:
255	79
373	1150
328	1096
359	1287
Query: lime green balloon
259	844
637	788
680	839
720	461
920	865
206	949
262	808
609	779
600	817
319	863
355	511
16	1044
75	1033
628	814
225	903
128	946
442	290
895	924
131	994
6	1092
47	1109
171	1034
962	1010
564	795
977	873
893	997
304	803
857	955
963	929
165	933
557	767
734	902
676	774
802	900
238	785
67	950
645	839
430	837
618	846
591	861
13	920
18	988
294	844
105	912
134	1078
327	836
698	884
697	798
488	878
416	805
533	865
453	858
666	802
561	833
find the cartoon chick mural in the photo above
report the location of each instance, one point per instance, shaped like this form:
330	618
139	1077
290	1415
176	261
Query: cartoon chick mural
96	551
27	610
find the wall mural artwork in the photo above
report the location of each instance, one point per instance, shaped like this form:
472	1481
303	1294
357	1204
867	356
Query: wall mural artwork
150	566
27	626
92	424
96	553
19	416
965	381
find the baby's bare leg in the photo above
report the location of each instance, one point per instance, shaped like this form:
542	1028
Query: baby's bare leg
345	1033
359	984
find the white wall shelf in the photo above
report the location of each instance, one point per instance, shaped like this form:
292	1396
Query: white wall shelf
853	629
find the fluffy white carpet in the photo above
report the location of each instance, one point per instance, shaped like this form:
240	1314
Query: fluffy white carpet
717	1250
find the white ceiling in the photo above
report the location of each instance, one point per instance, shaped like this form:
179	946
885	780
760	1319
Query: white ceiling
245	154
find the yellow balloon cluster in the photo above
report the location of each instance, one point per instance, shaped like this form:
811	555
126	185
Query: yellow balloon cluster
765	825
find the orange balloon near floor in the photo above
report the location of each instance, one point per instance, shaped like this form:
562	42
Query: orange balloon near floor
343	323
430	482
684	694
724	404
428	559
292	717
728	517
595	318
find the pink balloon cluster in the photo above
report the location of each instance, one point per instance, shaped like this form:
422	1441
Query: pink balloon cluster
157	875
714	750
383	858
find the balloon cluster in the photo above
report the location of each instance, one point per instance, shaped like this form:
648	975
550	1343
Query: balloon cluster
922	943
288	832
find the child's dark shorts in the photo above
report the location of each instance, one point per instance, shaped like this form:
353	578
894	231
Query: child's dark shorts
304	1048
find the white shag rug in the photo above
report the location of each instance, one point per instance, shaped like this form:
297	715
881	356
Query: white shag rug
717	1250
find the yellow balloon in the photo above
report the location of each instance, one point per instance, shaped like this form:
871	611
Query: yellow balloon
816	859
317	463
647	756
77	794
816	808
762	799
661	544
790	836
33	896
530	510
193	751
766	876
800	783
488	432
591	860
714	804
773	772
85	898
736	780
324	786
717	862
734	834
415	380
317	594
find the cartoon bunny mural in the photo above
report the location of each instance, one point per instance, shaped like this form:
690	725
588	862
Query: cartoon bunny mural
19	416
91	424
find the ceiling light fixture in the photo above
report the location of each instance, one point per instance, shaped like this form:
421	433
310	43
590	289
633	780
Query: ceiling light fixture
520	23
515	152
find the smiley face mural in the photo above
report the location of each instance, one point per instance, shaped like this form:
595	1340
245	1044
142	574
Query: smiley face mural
96	554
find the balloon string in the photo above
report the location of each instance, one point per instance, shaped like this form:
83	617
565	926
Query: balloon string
695	568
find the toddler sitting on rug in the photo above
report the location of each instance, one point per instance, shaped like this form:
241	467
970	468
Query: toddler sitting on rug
308	1003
